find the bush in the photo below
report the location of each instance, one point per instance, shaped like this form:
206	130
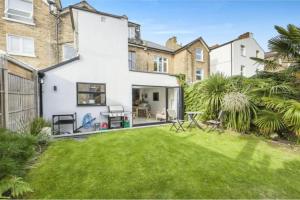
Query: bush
15	152
36	126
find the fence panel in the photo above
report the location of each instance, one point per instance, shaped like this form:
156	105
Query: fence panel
21	102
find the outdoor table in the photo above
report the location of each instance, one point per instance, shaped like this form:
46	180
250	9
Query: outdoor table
193	121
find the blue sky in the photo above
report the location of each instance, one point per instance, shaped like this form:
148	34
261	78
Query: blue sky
217	21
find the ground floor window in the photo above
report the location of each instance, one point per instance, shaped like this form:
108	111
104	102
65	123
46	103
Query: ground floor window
93	94
199	74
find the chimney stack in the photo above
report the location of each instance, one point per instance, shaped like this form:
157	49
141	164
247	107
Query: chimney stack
172	43
246	35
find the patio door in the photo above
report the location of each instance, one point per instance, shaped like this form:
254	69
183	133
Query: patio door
174	104
155	104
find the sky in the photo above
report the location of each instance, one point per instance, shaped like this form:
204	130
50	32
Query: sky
216	21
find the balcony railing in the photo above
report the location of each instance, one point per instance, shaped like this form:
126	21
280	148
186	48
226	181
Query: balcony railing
142	67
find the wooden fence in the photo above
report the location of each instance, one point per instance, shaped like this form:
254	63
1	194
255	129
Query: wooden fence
18	100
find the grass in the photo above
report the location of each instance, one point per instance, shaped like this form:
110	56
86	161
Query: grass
157	163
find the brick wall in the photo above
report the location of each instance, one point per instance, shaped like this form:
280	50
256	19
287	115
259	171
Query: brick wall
145	59
43	33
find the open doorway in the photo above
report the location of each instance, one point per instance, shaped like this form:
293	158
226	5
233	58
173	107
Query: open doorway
150	104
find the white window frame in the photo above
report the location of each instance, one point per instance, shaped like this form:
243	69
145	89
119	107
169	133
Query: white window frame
197	75
63	50
164	60
131	62
243	50
21	53
199	54
30	19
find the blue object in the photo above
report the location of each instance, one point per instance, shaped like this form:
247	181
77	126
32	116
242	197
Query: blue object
87	121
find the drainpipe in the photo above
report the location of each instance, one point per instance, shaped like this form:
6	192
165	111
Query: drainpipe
56	14
192	64
41	76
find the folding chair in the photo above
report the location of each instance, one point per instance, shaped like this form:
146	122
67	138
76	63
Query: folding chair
215	124
176	123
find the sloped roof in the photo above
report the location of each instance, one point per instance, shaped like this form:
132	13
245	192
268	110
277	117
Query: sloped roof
81	4
191	43
59	64
156	46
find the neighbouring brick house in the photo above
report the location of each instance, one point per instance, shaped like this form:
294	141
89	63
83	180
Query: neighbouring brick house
192	59
28	31
33	34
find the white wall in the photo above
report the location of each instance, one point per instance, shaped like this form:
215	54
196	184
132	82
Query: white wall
220	60
103	50
238	60
156	106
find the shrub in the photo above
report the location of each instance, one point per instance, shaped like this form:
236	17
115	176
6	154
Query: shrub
13	186
36	126
15	152
239	111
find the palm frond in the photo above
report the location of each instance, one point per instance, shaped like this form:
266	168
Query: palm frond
269	122
269	65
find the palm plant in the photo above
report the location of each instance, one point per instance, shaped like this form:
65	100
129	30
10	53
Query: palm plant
289	109
239	111
287	47
269	122
212	91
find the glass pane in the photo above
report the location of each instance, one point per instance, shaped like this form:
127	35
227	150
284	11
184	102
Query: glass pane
14	44
21	5
91	87
28	46
91	99
155	65
69	52
165	67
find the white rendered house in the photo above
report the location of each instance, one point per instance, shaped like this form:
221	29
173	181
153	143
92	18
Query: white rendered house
99	76
234	57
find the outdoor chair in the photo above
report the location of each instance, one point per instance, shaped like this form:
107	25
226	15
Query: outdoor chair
215	124
176	123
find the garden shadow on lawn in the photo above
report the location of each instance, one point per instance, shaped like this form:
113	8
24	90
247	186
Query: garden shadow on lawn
154	163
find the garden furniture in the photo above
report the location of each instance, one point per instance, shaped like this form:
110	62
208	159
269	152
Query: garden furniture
192	116
176	123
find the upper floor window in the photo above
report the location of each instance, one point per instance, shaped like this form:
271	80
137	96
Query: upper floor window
243	50
19	10
131	60
19	45
199	54
257	54
199	74
160	64
131	32
242	70
69	52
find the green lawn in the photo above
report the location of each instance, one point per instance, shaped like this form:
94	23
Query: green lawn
157	163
